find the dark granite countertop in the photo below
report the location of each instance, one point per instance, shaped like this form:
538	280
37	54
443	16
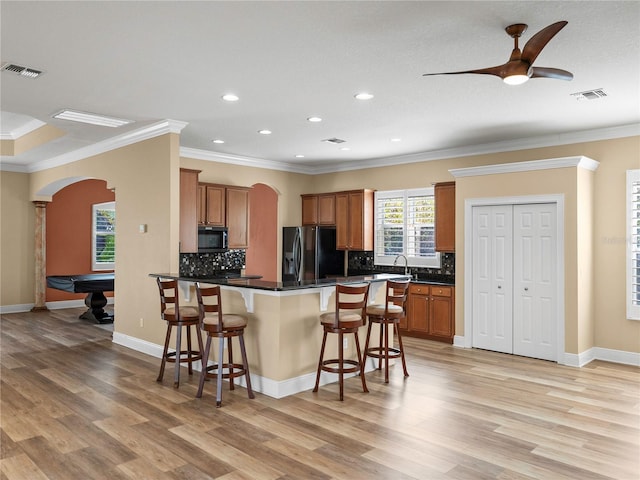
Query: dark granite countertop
257	283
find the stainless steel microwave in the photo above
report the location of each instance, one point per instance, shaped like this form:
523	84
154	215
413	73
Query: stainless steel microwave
212	239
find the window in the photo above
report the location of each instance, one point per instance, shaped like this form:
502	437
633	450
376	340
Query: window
633	244
405	225
104	236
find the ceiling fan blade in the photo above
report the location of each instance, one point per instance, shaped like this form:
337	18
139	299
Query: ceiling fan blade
536	43
543	72
484	71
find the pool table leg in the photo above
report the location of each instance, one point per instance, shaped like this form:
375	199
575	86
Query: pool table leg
95	301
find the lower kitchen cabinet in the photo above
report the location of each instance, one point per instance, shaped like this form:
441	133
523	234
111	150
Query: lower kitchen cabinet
430	312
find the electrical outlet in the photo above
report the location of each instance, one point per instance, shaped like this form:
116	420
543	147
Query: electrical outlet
345	343
141	322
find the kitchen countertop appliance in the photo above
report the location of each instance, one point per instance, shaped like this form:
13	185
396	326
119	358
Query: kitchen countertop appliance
309	253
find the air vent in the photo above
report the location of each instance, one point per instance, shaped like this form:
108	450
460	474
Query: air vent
334	140
590	94
22	71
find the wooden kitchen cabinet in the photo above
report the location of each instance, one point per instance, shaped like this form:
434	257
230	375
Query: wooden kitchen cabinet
188	213
319	209
211	204
354	220
430	312
225	206
237	213
445	205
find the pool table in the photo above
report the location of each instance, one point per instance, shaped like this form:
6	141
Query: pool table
94	285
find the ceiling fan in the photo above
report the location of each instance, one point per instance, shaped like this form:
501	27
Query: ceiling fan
520	67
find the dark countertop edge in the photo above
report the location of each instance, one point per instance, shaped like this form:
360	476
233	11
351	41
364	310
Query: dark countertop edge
433	282
257	284
280	286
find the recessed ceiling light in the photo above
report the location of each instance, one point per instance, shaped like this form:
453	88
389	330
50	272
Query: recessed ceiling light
264	132
345	149
314	119
396	139
299	156
91	118
363	96
230	97
217	140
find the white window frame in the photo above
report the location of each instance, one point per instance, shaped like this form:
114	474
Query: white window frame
412	260
95	264
633	243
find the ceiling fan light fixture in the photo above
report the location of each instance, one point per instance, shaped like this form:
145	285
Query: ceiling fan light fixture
515	79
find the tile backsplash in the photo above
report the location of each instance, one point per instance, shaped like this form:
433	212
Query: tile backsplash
205	264
362	263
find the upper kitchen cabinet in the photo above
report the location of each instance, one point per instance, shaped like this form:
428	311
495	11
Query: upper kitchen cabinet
445	204
188	216
237	200
211	204
354	220
319	209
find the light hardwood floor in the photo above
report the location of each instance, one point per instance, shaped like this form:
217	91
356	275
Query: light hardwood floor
76	406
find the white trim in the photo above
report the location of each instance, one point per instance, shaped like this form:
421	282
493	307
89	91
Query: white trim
581	161
22	130
57	305
228	158
17	308
633	311
579	360
457	152
558	199
266	386
135	136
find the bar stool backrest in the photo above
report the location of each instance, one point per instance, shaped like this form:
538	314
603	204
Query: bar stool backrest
397	292
210	302
169	302
351	298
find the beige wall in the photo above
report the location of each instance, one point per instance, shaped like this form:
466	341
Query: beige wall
146	180
17	219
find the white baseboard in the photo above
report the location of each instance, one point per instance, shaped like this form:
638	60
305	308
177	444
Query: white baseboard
26	307
266	386
583	358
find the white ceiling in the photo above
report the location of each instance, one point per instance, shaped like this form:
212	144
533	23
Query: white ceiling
287	61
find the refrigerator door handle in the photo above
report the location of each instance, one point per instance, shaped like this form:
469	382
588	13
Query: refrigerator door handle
297	255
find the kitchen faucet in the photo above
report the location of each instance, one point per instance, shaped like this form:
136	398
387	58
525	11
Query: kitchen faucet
406	263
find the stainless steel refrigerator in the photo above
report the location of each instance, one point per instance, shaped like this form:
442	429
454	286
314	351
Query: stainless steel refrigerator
309	253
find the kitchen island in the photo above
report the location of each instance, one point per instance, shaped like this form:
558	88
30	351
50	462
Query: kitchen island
284	334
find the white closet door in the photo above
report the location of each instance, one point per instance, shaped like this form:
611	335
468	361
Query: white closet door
534	282
492	278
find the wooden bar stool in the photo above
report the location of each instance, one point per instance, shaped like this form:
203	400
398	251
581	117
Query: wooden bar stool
348	317
221	325
385	315
178	317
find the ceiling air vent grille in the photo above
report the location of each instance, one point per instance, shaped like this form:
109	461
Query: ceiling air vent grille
334	140
22	71
590	94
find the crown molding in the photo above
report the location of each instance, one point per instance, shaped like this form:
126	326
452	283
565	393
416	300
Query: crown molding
174	126
481	149
128	138
210	156
580	162
22	130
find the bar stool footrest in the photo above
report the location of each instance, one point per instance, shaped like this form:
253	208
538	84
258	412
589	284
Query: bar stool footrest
378	352
326	366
